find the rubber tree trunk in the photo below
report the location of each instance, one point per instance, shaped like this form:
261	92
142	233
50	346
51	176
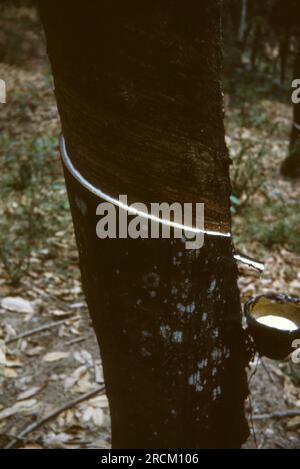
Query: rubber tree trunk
291	165
139	96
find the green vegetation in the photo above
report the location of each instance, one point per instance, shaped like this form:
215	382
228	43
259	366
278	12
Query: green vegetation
33	200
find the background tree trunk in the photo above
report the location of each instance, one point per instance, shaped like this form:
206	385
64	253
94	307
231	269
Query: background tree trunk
243	21
284	49
139	95
256	45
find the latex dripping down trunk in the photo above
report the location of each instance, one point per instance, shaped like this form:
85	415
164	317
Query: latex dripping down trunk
138	91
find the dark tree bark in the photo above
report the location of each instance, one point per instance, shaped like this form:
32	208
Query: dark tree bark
139	95
291	165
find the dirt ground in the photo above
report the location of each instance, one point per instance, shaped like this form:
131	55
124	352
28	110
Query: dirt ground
46	373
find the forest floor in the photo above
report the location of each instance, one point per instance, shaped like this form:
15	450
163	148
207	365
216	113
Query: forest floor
51	380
